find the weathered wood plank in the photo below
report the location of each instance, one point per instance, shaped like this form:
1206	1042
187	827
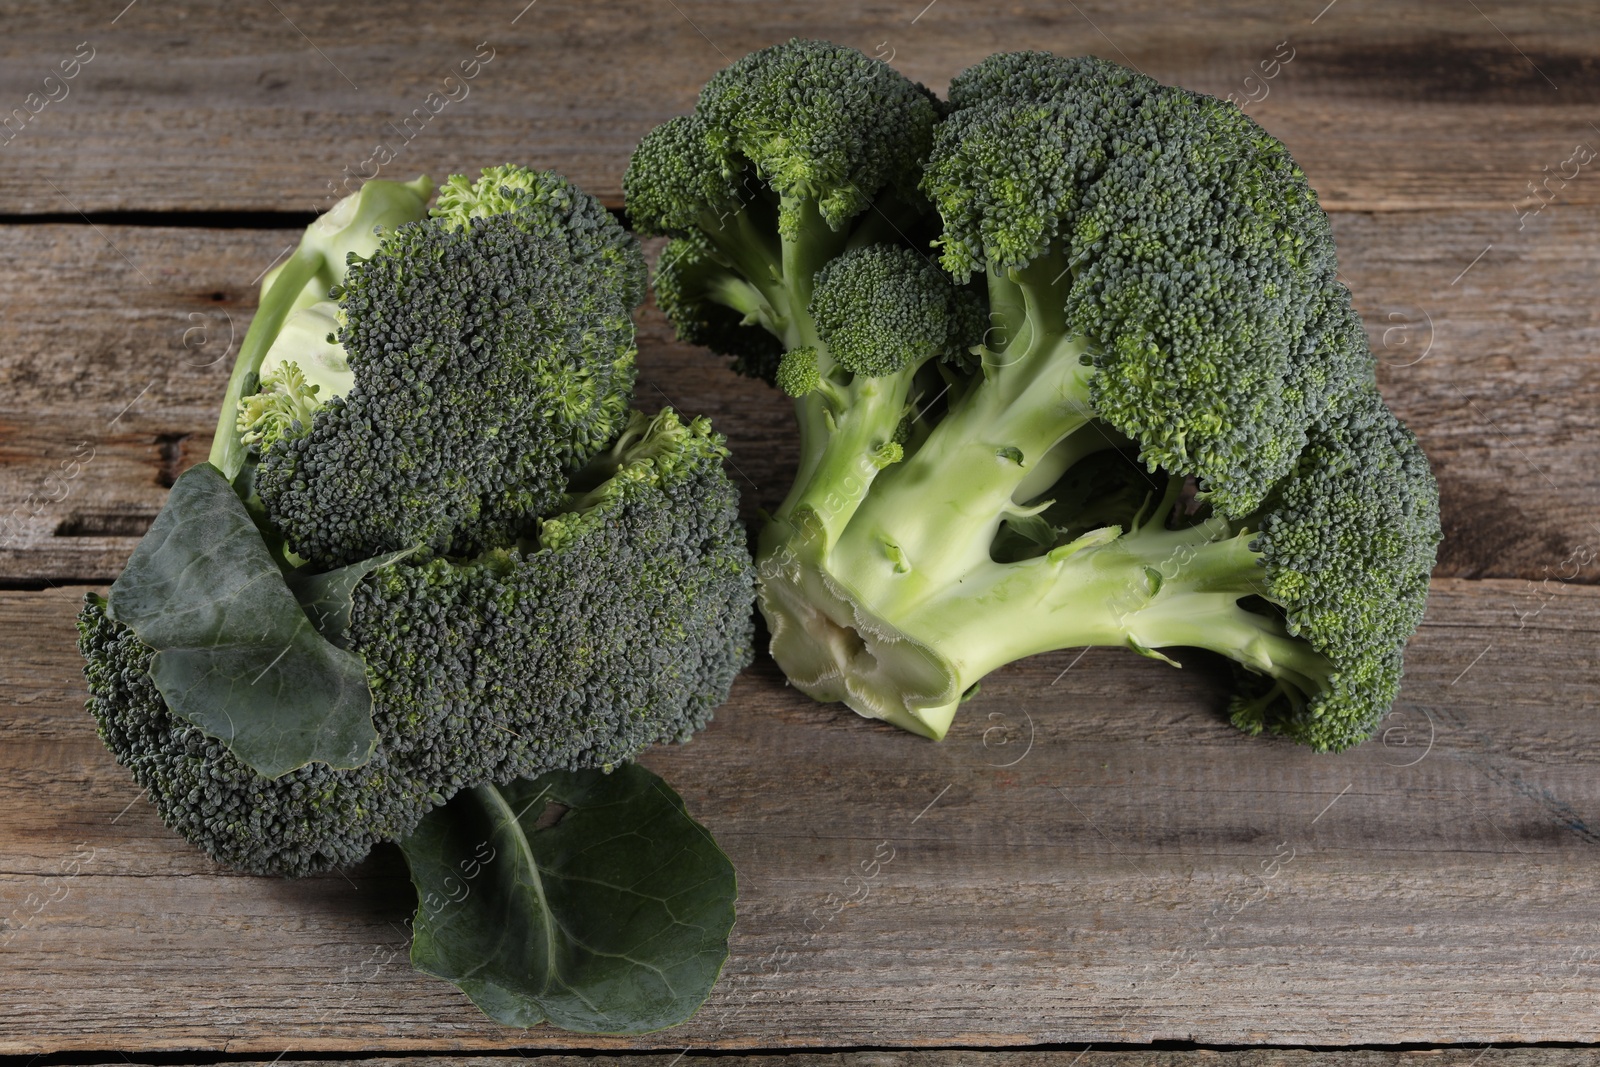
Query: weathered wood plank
108	384
1090	1057
195	106
1093	856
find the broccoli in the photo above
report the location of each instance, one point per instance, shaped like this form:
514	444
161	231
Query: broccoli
490	352
622	626
1105	389
538	578
755	212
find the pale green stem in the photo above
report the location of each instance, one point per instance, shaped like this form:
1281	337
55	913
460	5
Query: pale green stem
227	449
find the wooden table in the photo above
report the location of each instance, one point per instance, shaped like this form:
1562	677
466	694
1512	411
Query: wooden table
1093	858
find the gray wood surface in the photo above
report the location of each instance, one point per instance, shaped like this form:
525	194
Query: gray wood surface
193	106
1140	872
1467	1056
1093	857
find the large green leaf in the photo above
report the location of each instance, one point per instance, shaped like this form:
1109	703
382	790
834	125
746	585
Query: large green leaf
235	653
614	919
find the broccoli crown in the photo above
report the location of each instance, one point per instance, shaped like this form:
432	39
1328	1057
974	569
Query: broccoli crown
492	349
672	178
542	201
813	121
1029	133
1347	541
686	284
624	626
1160	429
1170	230
882	308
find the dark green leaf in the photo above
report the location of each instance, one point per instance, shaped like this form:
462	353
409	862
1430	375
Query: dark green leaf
613	920
235	654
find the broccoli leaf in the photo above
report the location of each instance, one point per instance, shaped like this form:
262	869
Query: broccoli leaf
235	653
612	918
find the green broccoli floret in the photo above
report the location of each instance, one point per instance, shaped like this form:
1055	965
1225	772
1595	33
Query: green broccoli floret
283	407
798	374
622	625
491	353
1130	402
792	155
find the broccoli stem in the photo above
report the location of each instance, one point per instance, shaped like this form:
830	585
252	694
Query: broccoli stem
1081	443
970	466
770	280
227	447
843	629
938	511
734	292
808	243
855	427
752	260
1151	589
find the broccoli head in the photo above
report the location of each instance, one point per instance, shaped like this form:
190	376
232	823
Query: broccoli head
792	154
1098	384
434	547
620	624
490	353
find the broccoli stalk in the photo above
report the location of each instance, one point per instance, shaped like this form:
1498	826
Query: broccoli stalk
1290	592
1153	423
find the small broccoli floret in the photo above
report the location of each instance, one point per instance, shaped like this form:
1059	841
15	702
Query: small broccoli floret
1347	542
623	627
824	127
1129	404
793	154
881	315
282	409
304	368
492	352
885	309
798	374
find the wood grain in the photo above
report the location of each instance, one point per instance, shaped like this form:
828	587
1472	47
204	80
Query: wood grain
115	382
1092	856
193	106
1090	1057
